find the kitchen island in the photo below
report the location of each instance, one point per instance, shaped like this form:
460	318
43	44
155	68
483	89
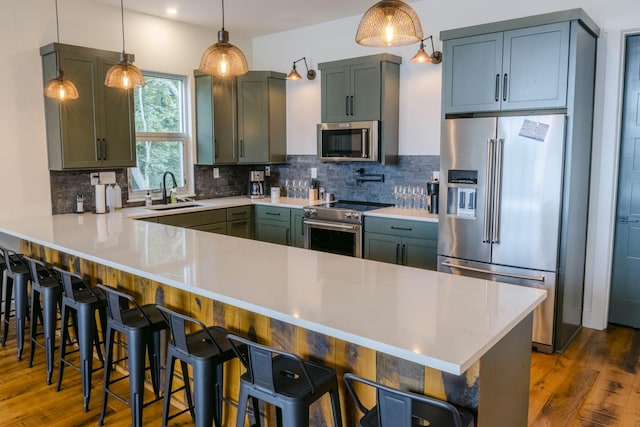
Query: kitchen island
456	338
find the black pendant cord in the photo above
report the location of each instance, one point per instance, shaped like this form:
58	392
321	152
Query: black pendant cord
222	15
122	19
57	24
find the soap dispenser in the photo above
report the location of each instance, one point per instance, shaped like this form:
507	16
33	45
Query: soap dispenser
174	196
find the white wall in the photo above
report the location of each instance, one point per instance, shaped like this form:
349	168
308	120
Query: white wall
163	45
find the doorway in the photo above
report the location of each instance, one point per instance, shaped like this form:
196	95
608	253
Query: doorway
624	303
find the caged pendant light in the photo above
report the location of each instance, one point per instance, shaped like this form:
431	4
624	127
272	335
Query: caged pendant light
389	23
124	75
60	88
223	59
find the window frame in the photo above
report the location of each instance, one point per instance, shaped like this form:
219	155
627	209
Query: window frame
183	137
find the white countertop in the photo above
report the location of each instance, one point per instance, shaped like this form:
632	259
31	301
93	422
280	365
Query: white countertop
438	320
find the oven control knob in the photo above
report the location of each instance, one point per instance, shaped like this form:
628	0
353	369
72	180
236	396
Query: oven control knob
309	212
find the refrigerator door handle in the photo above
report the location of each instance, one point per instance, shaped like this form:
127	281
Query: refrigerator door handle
497	192
493	273
489	193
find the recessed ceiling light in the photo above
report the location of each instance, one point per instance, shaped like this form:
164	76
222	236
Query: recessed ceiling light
172	11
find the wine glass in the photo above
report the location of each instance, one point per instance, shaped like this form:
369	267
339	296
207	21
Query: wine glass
287	186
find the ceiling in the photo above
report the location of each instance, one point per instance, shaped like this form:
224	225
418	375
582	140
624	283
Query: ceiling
250	17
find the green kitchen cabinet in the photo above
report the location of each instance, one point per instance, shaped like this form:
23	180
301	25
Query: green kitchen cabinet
262	126
240	221
524	68
398	241
297	227
96	130
359	89
364	89
199	220
216	126
273	224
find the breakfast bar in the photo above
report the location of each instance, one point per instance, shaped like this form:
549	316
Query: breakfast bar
456	338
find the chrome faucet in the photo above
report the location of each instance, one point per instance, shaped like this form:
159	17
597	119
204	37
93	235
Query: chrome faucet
164	185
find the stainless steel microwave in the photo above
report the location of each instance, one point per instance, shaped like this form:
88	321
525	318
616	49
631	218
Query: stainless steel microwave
349	141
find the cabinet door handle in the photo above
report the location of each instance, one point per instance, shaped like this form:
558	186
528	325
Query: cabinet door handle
497	87
401	228
239	223
398	253
237	213
241	148
98	149
273	213
404	260
104	148
215	148
351	106
504	87
346	105
302	224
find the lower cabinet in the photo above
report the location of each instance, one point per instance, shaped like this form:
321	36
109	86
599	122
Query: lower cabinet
404	242
273	224
280	225
236	221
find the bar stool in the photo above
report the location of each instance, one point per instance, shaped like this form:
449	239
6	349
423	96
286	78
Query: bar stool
141	325
45	284
284	380
17	284
206	350
395	408
80	301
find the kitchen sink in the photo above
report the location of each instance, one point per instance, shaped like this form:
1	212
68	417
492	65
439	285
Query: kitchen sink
168	206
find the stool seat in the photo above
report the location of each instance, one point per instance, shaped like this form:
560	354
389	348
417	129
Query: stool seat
45	286
81	302
141	325
284	380
17	276
206	350
396	408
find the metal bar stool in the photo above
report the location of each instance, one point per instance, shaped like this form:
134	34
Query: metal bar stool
206	350
45	285
395	408
284	380
142	326
80	301
17	282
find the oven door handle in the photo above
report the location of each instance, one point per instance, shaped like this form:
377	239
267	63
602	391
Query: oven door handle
332	225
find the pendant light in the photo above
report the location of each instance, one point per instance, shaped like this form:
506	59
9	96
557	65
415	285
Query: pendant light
389	23
124	75
60	88
223	59
422	56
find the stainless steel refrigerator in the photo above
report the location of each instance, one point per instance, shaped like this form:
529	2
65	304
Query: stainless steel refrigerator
506	212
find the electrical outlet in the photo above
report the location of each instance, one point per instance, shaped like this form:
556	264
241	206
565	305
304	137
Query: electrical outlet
267	171
95	178
216	173
435	175
314	173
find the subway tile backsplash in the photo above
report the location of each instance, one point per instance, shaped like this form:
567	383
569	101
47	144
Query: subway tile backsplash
337	178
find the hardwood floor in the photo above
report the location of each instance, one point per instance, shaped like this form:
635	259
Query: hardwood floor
596	382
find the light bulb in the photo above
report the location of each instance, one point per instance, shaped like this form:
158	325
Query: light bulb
224	65
61	92
125	79
389	31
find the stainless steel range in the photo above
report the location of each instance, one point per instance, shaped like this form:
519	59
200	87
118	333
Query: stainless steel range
336	227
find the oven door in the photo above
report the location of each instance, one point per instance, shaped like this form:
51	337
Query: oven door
334	237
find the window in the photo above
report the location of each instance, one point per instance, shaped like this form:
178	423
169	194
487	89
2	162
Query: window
161	139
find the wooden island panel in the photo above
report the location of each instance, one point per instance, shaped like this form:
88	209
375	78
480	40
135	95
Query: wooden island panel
342	355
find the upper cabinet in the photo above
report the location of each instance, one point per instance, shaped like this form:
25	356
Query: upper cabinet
97	129
511	70
360	89
364	89
262	117
241	120
531	63
216	125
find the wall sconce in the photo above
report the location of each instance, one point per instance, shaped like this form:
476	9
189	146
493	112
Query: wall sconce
294	75
422	56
